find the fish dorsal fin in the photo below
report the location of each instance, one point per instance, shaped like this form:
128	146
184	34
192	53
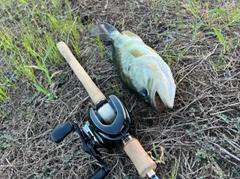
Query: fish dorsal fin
150	49
136	53
130	34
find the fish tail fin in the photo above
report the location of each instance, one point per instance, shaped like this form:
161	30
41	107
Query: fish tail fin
104	31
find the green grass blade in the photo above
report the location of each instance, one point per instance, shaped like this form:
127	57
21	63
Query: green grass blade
173	173
235	17
41	89
36	67
47	54
219	35
3	95
221	11
155	152
221	38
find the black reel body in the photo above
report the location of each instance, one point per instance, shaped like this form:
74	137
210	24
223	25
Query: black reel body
105	134
97	131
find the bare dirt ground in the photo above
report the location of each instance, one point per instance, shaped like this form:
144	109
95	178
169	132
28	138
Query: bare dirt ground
200	134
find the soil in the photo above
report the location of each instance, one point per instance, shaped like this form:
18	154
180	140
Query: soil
200	135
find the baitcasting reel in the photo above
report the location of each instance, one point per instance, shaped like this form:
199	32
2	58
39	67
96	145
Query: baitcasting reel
108	123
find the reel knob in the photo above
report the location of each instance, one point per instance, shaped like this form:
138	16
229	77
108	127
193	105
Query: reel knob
59	133
100	174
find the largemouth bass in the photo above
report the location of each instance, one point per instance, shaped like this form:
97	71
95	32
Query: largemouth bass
139	66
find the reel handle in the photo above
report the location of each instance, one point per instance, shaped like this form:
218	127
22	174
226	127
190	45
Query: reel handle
95	94
59	133
143	163
100	174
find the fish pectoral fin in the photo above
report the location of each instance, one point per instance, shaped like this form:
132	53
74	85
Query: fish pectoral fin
136	53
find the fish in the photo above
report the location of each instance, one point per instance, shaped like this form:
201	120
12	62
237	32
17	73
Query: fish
139	67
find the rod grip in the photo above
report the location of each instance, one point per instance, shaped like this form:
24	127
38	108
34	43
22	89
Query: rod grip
139	157
95	94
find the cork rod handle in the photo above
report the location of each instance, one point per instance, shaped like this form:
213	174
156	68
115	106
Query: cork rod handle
143	163
95	94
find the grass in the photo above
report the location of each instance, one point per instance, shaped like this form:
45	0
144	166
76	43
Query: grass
50	93
3	85
117	90
30	45
199	135
131	6
157	156
5	141
100	47
174	170
3	94
155	9
215	21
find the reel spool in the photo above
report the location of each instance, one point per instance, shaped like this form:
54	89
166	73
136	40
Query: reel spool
104	130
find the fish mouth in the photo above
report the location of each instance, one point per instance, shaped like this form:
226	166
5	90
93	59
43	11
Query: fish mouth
157	103
159	100
156	100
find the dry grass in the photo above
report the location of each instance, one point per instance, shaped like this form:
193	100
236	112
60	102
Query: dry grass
200	135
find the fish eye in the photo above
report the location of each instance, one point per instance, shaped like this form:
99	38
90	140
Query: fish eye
144	93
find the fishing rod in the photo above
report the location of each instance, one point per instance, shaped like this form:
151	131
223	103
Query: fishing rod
107	123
